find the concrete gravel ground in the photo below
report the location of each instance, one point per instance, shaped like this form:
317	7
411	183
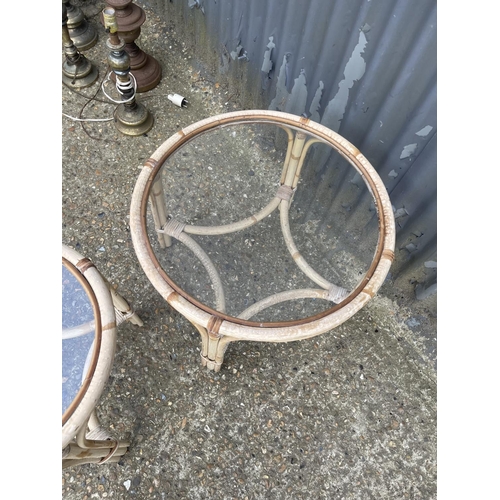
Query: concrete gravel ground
350	414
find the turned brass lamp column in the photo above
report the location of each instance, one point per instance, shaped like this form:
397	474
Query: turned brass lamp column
129	18
83	34
131	117
77	71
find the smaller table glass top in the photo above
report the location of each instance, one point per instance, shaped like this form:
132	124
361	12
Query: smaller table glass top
78	335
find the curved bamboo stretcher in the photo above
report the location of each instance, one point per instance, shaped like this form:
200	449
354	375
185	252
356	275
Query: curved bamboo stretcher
217	329
83	438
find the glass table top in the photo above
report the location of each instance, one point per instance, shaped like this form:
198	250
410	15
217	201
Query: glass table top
317	245
78	327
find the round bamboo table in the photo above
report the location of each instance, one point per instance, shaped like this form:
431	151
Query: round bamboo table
91	310
238	222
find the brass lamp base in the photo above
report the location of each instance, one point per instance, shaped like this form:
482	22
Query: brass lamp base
80	75
77	71
136	121
83	34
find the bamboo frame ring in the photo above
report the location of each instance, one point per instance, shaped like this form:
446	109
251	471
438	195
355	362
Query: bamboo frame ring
78	413
237	328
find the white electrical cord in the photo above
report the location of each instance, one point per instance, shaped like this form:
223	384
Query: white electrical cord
88	119
120	87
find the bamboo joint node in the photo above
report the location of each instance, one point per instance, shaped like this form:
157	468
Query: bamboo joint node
284	192
151	163
337	294
388	254
213	326
173	228
84	264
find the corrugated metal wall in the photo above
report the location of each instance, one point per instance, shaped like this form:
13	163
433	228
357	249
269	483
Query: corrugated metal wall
364	68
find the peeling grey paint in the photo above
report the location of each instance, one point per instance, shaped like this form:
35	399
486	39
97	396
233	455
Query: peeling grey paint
281	97
425	131
354	70
408	150
267	65
400	212
393	174
296	104
235	54
334	111
295	101
314	107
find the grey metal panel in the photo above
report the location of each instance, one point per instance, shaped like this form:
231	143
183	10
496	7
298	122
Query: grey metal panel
364	68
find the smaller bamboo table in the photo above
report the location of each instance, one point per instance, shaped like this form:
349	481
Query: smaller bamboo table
91	311
232	226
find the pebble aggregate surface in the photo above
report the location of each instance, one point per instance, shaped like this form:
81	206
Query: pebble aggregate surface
350	414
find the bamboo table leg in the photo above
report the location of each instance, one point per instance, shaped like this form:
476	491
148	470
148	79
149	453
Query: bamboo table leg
93	444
